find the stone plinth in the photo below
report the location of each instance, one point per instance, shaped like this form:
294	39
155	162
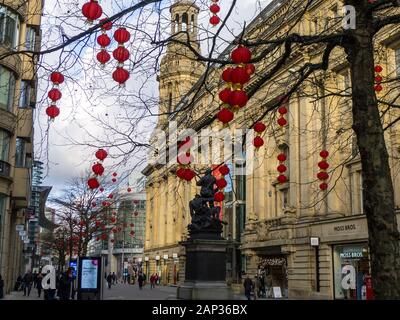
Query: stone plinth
205	271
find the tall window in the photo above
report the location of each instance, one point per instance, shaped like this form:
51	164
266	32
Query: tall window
7	85
2	215
356	192
30	40
20	153
397	52
4	145
9	28
25	97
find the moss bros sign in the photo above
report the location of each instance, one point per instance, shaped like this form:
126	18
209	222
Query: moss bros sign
345	227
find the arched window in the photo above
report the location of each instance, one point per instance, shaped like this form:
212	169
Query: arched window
185	20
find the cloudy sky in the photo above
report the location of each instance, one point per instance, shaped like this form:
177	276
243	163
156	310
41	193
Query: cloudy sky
95	112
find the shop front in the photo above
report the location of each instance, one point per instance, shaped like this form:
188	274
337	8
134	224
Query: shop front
273	272
351	265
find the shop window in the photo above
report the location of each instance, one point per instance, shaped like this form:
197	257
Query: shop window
356	192
7	85
9	28
4	145
351	271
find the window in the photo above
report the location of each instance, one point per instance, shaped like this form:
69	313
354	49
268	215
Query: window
9	28
7	85
20	153
397	52
4	145
30	40
25	97
2	214
356	192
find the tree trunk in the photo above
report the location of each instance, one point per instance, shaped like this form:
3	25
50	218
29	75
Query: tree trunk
378	192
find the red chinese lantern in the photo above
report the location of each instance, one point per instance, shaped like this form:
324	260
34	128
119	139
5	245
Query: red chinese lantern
129	189
282	168
52	111
282	178
238	98
225	115
110	196
282	122
121	54
98	169
97	239
214	8
106	25
250	68
113	219
282	157
324	154
101	189
224	170
103	40
227	75
132	225
114	174
57	77
221	183
136	213
54	94
323	186
135	201
180	173
114	180
101	154
239	75
81	223
104	203
92	11
282	110
258	142
323	165
122	35
378	79
189	174
94	204
214	20
93	183
119	229
219	197
104	236
98	223
112	240
378	88
120	75
103	57
224	95
114	230
322	175
241	55
378	69
259	127
132	233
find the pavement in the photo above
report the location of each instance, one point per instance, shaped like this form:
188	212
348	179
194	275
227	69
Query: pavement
123	292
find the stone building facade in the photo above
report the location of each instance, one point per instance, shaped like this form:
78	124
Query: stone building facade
270	224
19	30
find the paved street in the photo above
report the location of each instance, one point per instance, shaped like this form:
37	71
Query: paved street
132	292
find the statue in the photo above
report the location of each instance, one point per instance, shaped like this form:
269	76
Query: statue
205	223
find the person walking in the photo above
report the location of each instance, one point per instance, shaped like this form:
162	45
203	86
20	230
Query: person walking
109	280
65	285
18	283
248	286
1	287
257	287
152	281
39	279
156	278
27	283
114	278
140	280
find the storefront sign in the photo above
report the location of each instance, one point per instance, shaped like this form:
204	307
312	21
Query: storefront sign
345	227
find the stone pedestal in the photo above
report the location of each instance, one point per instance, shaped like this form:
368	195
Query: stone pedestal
205	271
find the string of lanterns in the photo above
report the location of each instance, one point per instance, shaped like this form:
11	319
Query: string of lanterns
282	110
97	169
282	178
92	10
323	166
215	9
54	95
233	97
121	54
104	41
378	79
221	183
184	160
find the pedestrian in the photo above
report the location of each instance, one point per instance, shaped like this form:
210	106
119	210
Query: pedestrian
156	278
262	288
152	281
248	287
129	278
140	280
114	278
34	279
109	280
27	283
39	279
257	287
65	285
18	284
1	287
